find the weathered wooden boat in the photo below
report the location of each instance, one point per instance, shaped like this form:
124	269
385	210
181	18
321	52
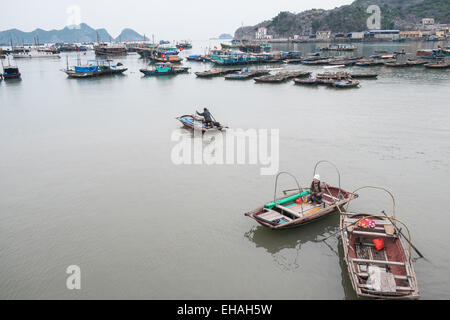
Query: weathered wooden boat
282	76
416	62
292	61
378	255
294	210
440	65
396	64
195	122
342	75
197	57
369	63
246	74
216	72
306	82
209	73
364	75
161	69
344	84
105	49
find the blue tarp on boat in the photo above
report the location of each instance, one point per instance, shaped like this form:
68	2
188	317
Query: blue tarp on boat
86	69
190	121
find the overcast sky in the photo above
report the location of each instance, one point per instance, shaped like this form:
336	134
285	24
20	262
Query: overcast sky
166	19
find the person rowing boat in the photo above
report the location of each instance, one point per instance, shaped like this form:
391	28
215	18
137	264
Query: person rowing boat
207	116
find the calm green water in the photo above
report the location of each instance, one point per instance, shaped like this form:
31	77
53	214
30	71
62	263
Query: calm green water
87	180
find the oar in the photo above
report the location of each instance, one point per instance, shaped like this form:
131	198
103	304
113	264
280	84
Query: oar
400	232
333	234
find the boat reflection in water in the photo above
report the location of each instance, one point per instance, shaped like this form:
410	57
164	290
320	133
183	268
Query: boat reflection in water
285	246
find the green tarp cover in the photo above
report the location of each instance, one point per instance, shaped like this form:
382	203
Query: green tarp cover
286	200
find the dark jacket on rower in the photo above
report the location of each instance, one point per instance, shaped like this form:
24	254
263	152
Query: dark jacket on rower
207	115
316	188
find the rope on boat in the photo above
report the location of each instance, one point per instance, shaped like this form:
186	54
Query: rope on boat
373	187
335	167
300	189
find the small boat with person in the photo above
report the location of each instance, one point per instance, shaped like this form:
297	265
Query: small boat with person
196	122
377	254
296	208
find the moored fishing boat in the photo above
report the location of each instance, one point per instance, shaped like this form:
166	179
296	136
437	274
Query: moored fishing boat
441	65
339	47
95	68
378	255
36	54
369	63
246	74
183	45
161	69
364	75
307	82
416	62
10	72
282	76
294	209
344	84
215	72
105	49
396	64
197	57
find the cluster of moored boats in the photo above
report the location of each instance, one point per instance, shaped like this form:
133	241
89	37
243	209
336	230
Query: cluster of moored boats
377	246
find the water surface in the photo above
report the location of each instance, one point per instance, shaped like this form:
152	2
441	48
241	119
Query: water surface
87	180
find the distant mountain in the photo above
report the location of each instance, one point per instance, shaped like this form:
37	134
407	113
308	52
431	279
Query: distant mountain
129	35
81	33
225	36
398	14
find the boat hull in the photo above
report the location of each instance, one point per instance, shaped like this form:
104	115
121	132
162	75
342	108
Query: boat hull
321	213
396	260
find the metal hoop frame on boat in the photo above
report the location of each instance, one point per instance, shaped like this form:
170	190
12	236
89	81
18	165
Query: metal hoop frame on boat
300	189
378	188
380	216
337	170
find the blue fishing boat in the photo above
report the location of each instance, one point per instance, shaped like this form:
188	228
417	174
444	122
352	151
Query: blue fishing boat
95	68
161	69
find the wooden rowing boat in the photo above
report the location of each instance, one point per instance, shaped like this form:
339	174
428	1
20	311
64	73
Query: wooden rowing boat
292	210
437	65
396	64
364	75
310	82
344	84
377	257
282	76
